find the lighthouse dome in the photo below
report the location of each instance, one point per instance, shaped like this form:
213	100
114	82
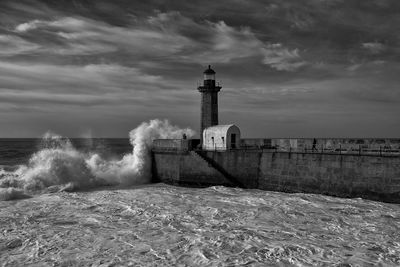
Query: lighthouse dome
209	70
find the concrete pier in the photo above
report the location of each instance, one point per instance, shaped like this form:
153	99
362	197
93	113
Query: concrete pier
346	175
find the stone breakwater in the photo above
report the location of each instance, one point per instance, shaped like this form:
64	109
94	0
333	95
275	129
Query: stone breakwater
346	175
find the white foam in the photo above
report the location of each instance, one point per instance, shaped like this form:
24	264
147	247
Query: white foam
60	163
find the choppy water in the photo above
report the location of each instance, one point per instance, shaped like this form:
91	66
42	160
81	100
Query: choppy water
16	151
162	225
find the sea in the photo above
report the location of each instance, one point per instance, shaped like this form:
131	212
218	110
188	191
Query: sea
91	202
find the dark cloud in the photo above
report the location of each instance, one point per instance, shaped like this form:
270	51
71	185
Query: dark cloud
315	67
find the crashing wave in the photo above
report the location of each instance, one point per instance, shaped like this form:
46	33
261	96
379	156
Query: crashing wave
59	164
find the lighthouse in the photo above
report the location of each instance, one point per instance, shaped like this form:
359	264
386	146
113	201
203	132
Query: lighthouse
209	101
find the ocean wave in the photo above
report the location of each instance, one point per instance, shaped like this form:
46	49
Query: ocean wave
59	163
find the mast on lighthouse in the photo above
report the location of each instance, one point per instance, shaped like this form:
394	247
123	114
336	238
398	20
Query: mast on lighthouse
209	101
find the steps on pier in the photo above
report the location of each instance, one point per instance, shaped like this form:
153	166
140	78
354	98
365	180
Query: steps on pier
212	163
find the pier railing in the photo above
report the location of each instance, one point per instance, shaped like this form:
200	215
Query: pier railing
175	145
375	151
348	146
372	149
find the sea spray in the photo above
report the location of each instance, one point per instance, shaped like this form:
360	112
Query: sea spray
135	168
59	165
12	193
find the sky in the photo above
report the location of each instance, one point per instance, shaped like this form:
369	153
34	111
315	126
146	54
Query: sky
288	68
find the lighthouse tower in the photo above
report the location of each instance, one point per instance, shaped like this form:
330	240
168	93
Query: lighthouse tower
209	101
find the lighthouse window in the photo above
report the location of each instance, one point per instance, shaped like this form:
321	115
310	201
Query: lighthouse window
209	76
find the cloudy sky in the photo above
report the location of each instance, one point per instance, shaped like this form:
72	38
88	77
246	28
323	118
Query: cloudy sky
289	68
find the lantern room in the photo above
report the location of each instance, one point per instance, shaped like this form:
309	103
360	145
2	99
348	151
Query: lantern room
209	74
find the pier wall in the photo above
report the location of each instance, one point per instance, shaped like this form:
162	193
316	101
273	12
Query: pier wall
185	168
367	176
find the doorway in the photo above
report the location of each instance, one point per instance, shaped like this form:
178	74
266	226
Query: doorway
233	140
